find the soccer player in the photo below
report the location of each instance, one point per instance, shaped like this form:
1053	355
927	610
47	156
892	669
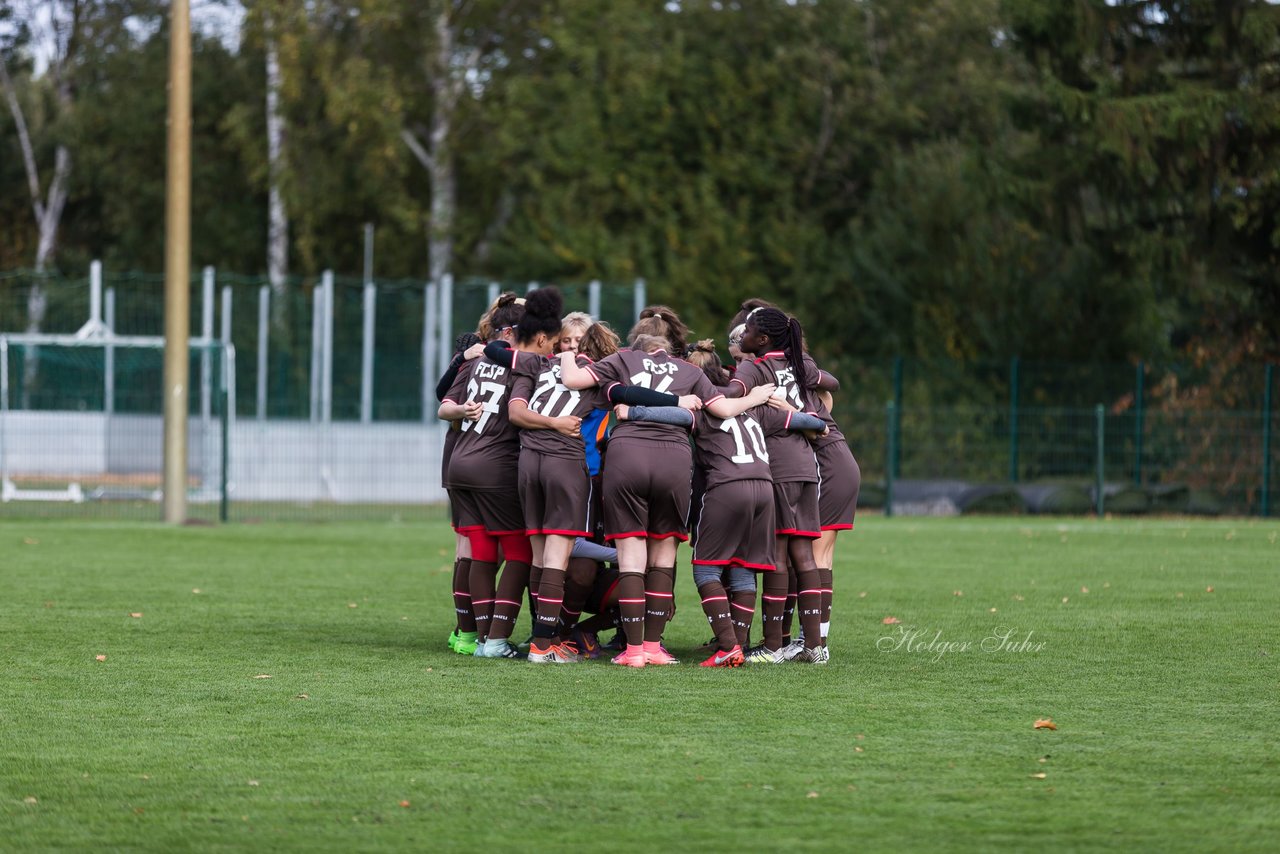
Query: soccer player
777	342
647	478
483	478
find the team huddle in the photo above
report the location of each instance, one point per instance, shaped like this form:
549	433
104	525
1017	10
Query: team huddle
579	466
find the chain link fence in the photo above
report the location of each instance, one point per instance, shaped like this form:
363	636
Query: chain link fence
329	408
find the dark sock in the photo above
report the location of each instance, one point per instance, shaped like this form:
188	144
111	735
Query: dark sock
789	611
484	576
462	594
550	598
631	605
743	605
599	622
659	582
773	603
510	594
578	579
810	606
715	604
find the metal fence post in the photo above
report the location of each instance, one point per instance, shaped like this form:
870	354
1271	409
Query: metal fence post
430	370
1013	420
317	313
4	410
493	291
1100	422
228	360
445	321
895	461
891	432
366	353
326	387
1266	442
264	327
593	299
206	332
1139	415
639	298
109	355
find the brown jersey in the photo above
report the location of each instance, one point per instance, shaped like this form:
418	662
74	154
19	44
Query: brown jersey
657	371
487	452
737	448
790	455
774	368
538	385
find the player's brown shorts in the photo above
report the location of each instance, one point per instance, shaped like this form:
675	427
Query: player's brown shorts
646	489
555	493
735	526
795	507
498	513
838	480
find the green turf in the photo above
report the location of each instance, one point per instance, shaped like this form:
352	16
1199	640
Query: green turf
1164	695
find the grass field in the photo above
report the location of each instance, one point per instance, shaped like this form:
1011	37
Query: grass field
1162	679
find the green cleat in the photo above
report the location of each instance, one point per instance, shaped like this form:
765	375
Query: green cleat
466	643
453	640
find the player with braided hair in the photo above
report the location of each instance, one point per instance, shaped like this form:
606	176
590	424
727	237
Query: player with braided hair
777	341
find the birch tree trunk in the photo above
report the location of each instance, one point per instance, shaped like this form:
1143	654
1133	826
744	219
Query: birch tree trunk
47	212
277	217
444	186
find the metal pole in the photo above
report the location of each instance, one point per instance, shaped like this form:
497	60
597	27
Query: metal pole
1139	416
366	353
1266	443
4	410
1100	415
226	326
494	290
368	252
264	325
1013	420
430	371
317	311
109	357
639	298
445	321
891	449
593	299
326	387
95	295
177	264
895	460
228	412
206	332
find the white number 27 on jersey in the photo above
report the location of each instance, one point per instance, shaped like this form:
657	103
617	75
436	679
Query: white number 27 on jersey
488	394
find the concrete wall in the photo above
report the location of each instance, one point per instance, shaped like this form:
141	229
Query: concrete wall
269	461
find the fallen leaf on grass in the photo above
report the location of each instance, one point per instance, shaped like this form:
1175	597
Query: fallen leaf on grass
27	541
196	590
263	676
859	736
993	610
1084	589
1018	597
812	795
862	595
352	605
1039	776
1044	723
889	621
1177	595
857	750
404	804
136	615
99	658
30	799
1065	600
253	783
303	697
957	592
1208	590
